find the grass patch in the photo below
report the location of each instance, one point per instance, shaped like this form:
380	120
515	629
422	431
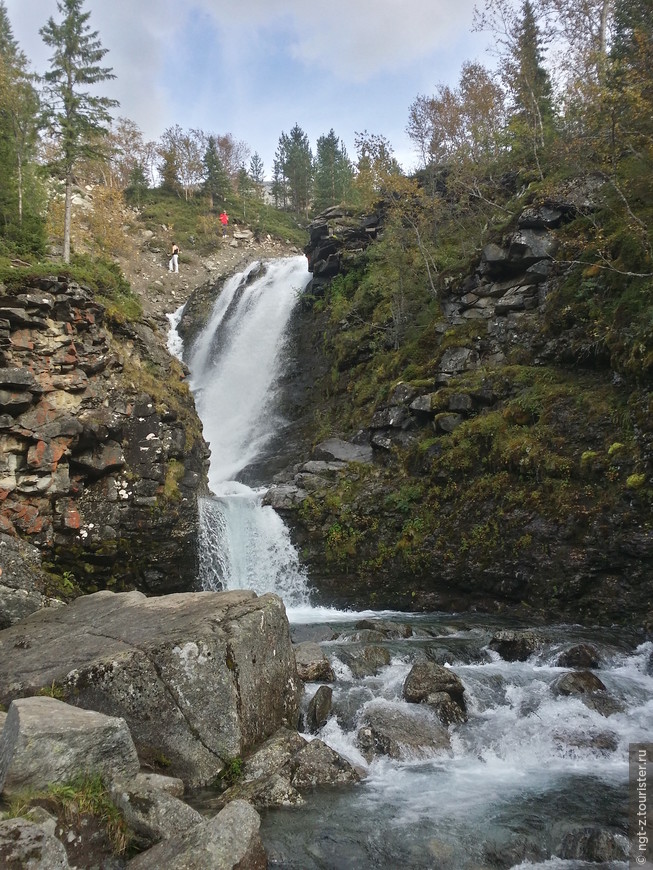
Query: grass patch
73	802
103	277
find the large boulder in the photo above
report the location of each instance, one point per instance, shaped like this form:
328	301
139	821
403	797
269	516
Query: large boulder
316	764
514	646
589	689
318	709
366	661
582	655
426	678
46	741
578	683
198	677
342	451
229	841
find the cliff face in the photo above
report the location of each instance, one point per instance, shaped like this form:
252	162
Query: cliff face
511	463
102	458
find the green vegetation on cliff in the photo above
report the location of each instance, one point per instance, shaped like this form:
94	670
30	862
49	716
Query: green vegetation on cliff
495	345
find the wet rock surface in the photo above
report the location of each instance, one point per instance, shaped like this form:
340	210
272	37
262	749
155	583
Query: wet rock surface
312	664
400	735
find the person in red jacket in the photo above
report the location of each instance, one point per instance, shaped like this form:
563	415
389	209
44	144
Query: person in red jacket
224	220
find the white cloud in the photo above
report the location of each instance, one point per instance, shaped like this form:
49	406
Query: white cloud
354	40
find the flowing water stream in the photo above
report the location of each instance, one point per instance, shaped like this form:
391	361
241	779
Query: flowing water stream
529	767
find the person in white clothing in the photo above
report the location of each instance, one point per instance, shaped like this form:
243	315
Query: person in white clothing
173	265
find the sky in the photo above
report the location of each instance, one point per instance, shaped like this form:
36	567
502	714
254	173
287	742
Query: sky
255	68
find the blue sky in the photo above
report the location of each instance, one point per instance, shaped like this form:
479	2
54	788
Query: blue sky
254	68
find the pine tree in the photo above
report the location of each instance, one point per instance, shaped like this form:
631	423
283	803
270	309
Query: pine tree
244	184
279	188
256	175
76	118
137	183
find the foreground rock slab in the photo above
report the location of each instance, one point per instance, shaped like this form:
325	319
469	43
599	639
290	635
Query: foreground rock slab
198	677
46	741
229	841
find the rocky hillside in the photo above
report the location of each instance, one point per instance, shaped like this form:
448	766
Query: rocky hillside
506	450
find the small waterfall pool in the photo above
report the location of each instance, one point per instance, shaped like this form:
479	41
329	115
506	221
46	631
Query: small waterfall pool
528	768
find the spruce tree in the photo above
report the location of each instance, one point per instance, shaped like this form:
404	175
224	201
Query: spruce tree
216	179
20	201
244	185
256	169
532	113
77	119
333	173
296	165
279	188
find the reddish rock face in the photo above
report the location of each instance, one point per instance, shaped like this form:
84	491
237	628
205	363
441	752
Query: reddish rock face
71	430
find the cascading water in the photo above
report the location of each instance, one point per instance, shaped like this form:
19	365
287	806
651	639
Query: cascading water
235	364
531	766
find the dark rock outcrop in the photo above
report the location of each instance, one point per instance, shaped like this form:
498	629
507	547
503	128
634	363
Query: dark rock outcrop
102	457
502	475
337	238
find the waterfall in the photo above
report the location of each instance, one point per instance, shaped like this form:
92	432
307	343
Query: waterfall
235	365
